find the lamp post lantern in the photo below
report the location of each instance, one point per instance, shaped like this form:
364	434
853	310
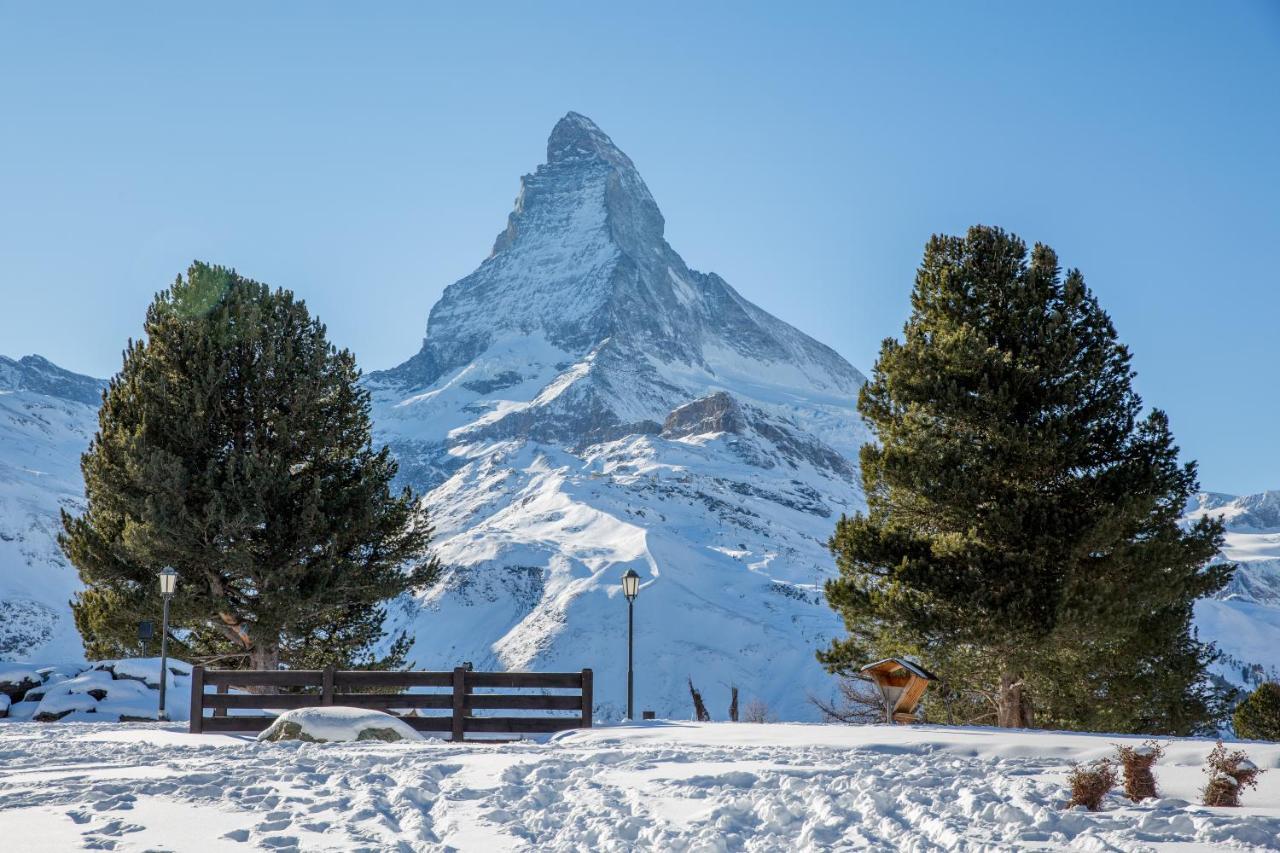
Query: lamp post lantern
168	582
630	589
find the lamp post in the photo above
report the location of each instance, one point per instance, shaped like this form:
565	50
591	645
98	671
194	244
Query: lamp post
630	588
168	582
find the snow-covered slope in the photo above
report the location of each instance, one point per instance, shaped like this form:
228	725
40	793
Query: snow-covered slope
47	416
1244	619
585	403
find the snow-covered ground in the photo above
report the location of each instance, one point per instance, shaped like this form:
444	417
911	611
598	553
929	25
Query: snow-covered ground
665	786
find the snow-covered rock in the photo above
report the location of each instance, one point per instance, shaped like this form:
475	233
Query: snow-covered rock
336	723
585	403
104	691
17	679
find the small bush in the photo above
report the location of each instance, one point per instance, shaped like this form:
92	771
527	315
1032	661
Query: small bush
1090	783
1139	781
1229	774
1258	717
757	711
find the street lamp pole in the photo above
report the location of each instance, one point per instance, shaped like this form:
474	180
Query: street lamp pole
630	588
168	581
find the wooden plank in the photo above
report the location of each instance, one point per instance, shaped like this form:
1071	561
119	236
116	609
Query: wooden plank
258	700
429	724
357	678
221	711
522	724
911	696
525	679
459	703
326	686
237	724
197	700
523	702
261	678
394	700
353	700
588	697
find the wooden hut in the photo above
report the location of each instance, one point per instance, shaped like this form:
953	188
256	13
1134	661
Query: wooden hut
901	683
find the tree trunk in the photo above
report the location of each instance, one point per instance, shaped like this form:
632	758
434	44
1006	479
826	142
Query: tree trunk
264	657
1013	706
699	709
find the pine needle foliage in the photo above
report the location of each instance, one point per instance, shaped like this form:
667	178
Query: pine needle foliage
1022	533
235	446
1258	716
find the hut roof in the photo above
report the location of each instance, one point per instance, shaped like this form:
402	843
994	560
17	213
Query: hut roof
913	668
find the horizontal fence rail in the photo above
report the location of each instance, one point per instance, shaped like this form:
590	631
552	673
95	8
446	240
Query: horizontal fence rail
358	689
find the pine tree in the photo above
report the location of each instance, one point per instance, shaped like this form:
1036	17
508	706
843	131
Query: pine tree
1258	716
1022	531
235	446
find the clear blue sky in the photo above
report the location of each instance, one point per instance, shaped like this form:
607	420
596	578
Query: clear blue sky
366	155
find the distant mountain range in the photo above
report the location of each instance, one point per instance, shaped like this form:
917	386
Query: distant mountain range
582	404
47	416
1244	619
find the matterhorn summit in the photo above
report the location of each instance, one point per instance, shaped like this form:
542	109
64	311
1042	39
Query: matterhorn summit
584	403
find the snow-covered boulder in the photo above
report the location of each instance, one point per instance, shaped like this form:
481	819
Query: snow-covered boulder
338	723
95	692
146	670
102	691
17	678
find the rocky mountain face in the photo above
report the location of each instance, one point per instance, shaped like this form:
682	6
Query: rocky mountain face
47	416
585	403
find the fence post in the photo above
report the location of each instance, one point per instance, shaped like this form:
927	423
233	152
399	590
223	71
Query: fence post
588	697
197	700
459	702
326	686
222	691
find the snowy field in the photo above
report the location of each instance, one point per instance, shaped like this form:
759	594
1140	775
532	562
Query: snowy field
664	786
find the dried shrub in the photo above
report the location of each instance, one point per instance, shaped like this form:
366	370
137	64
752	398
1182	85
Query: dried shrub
859	703
1139	781
1090	783
1229	774
757	711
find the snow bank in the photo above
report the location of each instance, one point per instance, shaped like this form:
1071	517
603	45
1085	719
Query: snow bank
665	786
337	724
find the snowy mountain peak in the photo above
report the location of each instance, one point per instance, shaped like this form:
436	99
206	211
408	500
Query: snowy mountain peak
633	332
584	403
37	374
576	138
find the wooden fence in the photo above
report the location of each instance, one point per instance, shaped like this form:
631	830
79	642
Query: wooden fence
337	687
